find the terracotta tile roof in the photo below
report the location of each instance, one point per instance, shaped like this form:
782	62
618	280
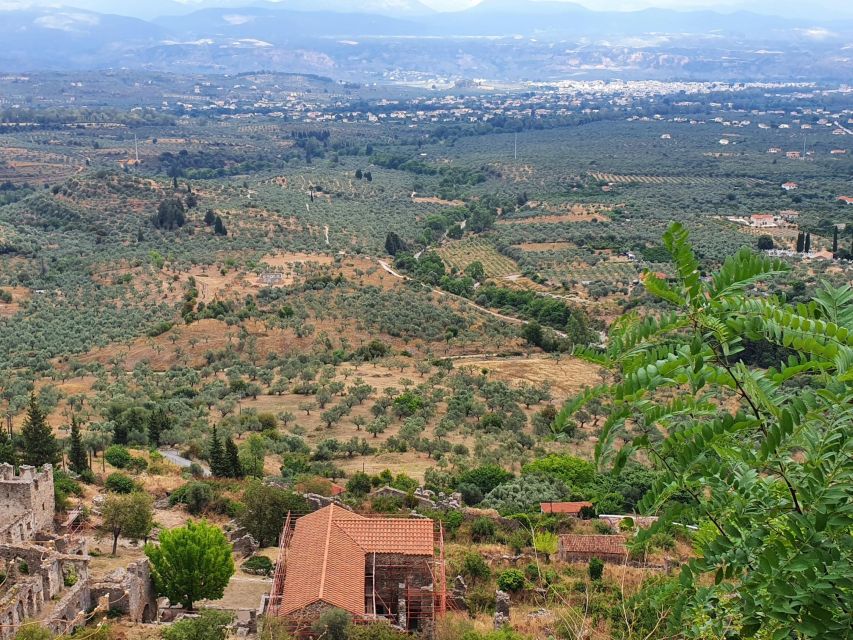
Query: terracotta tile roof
326	559
604	544
391	535
563	507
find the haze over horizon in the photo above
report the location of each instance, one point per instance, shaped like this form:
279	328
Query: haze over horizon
786	8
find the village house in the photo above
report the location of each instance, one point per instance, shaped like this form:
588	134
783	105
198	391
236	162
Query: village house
793	155
373	568
845	199
571	509
762	220
790	186
582	548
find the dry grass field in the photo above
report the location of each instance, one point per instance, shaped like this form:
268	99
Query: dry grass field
566	375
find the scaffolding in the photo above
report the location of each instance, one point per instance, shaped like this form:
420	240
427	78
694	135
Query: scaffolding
408	592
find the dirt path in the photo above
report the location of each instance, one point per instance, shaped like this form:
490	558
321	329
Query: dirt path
326	232
465	301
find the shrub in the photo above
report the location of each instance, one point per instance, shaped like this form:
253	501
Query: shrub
258	565
480	600
482	529
573	471
34	632
70	577
595	568
511	580
359	484
118	456
119	483
137	465
601	527
197	496
472	495
546	543
486	477
376	631
523	495
386	504
518	540
209	625
333	624
474	566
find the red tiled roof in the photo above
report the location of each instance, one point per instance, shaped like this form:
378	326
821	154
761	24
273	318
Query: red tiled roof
326	558
571	543
563	507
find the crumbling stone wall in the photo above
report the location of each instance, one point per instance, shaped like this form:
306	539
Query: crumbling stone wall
130	591
27	500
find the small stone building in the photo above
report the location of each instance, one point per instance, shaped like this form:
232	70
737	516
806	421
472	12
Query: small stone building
581	548
373	568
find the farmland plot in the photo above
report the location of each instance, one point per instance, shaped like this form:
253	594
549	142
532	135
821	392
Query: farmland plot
460	254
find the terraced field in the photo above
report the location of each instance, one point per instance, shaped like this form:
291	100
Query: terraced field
461	254
687	180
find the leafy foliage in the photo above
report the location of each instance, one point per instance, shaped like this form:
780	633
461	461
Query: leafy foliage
191	563
762	456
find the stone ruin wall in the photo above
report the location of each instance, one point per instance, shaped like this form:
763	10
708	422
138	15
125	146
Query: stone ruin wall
26	502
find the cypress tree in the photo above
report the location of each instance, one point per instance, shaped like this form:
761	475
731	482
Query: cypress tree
158	422
216	456
39	444
7	449
77	459
219	227
232	459
120	430
800	242
807	245
834	240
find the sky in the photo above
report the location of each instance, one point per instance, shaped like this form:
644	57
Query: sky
790	8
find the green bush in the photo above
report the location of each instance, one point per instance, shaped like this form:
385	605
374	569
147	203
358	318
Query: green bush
486	477
118	456
595	568
472	495
119	483
376	631
511	580
474	566
523	495
333	624
482	529
573	471
258	565
480	600
209	625
137	465
196	495
518	540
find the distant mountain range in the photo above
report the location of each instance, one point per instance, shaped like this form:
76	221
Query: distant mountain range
510	39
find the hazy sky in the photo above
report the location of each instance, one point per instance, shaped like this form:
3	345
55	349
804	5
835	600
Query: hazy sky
827	9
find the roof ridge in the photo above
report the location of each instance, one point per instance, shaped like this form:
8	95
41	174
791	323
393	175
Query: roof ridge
326	552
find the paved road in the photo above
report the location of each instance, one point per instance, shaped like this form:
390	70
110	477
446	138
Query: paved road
172	456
